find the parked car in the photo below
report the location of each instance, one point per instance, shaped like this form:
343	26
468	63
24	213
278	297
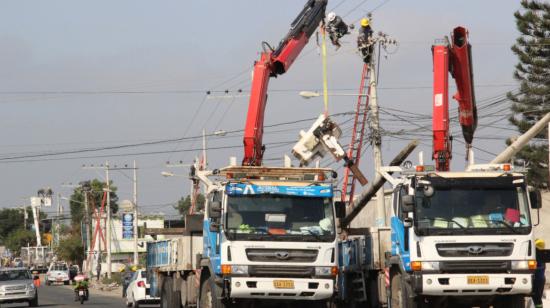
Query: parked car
16	286
138	291
58	273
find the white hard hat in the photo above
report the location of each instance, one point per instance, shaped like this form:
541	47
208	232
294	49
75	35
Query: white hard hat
331	16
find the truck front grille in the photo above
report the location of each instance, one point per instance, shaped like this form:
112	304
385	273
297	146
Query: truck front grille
475	249
280	271
472	266
282	255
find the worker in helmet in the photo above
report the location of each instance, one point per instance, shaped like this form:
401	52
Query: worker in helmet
364	40
540	280
336	29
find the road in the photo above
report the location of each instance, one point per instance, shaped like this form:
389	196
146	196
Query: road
63	296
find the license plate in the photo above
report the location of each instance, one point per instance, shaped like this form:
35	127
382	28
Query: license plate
478	279
283	284
81	293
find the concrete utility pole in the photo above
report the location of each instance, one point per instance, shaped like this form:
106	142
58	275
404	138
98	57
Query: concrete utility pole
517	145
136	257
108	222
87	221
376	146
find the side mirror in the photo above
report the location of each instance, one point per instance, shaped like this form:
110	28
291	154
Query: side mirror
407	203
536	199
215	210
340	208
407	222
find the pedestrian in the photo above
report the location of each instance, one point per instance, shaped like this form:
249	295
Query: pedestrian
336	29
98	269
364	40
540	280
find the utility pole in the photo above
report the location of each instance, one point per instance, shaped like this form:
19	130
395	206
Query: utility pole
56	235
135	216
108	222
87	221
376	147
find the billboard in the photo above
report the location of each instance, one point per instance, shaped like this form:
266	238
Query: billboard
127	225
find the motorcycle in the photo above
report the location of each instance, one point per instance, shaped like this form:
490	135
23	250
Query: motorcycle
81	294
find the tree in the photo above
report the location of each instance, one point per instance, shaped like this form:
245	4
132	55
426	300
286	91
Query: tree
185	203
532	101
12	220
71	249
19	238
95	196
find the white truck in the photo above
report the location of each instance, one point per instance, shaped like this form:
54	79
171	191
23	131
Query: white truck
267	233
458	239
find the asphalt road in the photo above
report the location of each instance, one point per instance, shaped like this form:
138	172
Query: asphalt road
63	296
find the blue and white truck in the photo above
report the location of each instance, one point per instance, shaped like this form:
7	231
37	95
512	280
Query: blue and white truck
455	239
266	234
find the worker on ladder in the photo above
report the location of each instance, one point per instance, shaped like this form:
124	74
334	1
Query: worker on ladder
364	40
336	28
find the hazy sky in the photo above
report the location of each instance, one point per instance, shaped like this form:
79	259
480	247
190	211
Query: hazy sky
80	75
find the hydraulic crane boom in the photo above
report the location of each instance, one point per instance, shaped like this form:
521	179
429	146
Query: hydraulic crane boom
271	64
456	59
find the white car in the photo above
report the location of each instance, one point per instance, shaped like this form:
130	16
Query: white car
138	291
58	273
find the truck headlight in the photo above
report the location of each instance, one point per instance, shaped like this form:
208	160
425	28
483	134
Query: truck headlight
30	286
430	266
326	271
524	265
228	269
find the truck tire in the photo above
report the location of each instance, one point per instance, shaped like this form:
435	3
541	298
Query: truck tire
210	295
34	302
400	292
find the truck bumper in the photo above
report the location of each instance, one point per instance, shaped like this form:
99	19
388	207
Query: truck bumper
304	289
17	297
457	284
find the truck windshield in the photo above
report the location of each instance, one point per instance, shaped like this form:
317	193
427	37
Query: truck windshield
473	206
279	218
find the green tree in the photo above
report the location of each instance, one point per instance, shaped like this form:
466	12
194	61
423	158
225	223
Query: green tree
185	203
71	249
532	101
18	238
12	220
95	196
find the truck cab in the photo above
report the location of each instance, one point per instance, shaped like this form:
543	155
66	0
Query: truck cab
269	233
461	237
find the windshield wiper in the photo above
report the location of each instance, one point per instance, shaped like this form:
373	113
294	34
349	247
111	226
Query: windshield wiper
317	236
505	224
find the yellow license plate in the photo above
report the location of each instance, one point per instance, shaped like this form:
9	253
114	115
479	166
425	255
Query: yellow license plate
283	284
478	279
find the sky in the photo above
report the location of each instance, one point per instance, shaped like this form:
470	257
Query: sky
76	76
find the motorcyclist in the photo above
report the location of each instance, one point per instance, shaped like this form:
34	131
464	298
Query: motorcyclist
81	284
336	28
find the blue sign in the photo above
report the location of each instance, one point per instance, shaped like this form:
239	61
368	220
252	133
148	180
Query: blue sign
127	226
236	189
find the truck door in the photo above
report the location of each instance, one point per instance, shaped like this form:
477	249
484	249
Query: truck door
211	236
400	234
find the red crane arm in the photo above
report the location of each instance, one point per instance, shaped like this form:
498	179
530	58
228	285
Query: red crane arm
457	60
271	64
462	72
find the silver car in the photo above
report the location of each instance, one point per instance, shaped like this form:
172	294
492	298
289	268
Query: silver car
16	286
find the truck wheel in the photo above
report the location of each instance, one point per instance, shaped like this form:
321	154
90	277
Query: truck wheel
400	292
166	293
210	294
